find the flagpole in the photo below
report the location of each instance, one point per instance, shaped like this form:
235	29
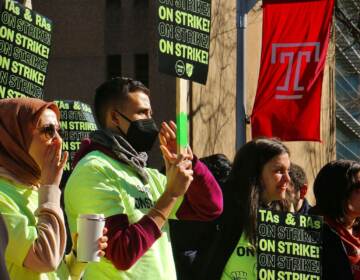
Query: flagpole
241	24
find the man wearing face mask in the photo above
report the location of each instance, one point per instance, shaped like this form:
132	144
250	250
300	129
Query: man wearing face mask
111	178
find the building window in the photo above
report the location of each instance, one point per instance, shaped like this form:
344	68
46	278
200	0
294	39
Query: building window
142	68
113	66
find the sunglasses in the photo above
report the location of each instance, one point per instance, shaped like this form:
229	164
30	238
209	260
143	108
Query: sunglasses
50	131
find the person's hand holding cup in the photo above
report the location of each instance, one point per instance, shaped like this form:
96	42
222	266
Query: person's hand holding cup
91	240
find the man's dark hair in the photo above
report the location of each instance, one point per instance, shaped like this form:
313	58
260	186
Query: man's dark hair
114	92
298	176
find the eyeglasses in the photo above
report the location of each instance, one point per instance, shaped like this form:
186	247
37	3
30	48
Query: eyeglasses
50	131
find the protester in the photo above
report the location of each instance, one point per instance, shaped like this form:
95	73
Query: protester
297	189
190	239
337	193
259	177
31	165
112	178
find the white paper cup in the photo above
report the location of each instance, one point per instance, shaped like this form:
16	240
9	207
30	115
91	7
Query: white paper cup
90	229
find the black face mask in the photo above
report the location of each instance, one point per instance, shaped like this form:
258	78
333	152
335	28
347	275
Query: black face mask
141	133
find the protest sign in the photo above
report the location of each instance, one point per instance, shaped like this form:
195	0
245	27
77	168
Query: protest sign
25	40
289	246
184	38
76	122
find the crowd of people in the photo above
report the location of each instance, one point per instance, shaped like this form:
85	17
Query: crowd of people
186	224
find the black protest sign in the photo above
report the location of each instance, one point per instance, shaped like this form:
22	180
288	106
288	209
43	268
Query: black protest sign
183	30
289	246
25	40
76	122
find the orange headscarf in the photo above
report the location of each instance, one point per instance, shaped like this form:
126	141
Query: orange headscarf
18	119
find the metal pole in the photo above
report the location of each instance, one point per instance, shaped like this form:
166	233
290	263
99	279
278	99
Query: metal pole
241	24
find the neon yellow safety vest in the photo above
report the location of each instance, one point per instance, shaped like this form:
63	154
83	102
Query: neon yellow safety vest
242	262
18	204
100	184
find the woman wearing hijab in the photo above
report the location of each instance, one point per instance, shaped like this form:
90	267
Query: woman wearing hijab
337	193
31	166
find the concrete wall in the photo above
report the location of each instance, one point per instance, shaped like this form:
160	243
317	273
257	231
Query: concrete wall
213	105
78	60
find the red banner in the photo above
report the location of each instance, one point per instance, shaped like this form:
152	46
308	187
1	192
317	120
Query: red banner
294	47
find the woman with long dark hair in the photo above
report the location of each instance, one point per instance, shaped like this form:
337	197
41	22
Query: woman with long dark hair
337	193
259	178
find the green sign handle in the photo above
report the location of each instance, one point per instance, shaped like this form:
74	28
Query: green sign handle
182	130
